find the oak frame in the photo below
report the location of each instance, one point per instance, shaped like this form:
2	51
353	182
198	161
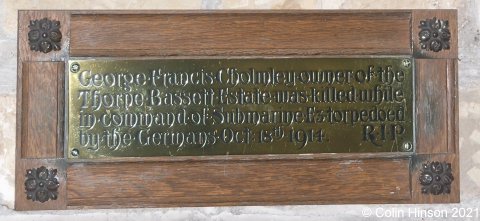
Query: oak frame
252	180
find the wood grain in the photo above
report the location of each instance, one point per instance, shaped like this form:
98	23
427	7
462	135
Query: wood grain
40	109
237	182
452	102
26	55
39	130
431	105
240	33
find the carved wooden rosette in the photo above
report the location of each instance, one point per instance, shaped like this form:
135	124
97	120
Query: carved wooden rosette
44	35
434	34
41	184
436	178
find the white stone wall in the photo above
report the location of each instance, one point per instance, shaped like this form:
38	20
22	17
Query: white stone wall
469	77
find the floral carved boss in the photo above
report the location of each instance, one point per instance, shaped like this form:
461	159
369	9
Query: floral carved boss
41	184
434	35
436	178
44	35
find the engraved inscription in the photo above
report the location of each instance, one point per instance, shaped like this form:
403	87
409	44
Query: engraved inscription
239	106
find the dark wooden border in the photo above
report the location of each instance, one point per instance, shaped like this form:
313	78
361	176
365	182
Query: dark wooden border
240	180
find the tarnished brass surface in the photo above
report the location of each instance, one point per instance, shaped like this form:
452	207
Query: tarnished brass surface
196	107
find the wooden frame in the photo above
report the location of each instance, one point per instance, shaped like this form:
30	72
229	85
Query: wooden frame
237	180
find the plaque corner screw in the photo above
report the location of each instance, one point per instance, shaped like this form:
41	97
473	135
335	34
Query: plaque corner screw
407	146
407	63
75	67
75	152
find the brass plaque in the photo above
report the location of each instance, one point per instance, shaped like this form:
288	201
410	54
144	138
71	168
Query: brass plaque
198	107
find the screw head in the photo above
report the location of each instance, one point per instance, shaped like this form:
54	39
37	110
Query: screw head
75	67
407	146
75	152
406	63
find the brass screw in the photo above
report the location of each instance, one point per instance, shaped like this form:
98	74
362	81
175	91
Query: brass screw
75	68
407	146
406	63
75	152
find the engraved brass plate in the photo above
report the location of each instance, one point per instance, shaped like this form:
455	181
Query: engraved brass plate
197	107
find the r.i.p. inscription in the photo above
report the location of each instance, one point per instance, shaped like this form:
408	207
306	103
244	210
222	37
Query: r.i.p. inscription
177	107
